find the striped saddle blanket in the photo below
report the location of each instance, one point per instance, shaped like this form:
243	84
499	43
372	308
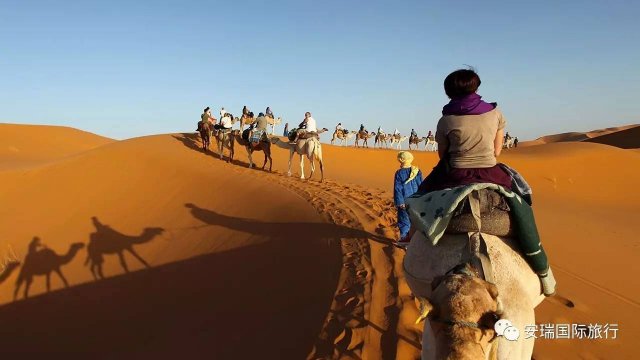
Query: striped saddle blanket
256	136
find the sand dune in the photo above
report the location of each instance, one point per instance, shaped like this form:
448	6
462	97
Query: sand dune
253	264
626	139
27	145
621	138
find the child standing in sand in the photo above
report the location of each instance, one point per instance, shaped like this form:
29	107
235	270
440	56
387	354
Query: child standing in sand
405	183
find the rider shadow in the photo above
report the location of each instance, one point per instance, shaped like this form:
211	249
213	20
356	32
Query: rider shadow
105	240
42	261
281	229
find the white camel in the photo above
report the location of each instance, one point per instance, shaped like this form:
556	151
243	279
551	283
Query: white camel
274	123
342	137
430	144
398	140
518	293
312	149
508	142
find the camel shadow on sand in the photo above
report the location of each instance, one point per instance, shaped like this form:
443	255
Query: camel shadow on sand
192	141
264	300
282	229
42	261
105	240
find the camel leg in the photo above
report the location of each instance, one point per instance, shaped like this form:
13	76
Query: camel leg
135	254
270	161
290	158
313	166
48	282
301	167
15	292
122	262
27	286
93	271
265	160
66	284
100	273
249	155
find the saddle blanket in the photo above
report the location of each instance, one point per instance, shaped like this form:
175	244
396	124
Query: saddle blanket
431	213
256	136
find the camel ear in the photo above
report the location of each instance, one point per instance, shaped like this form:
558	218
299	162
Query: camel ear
492	289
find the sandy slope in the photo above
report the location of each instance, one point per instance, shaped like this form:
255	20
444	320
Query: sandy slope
586	136
28	145
258	247
626	139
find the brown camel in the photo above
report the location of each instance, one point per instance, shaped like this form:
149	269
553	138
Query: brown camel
246	120
204	128
382	139
264	146
364	136
43	262
343	136
415	140
109	241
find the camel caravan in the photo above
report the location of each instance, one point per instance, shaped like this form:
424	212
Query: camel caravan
361	138
303	140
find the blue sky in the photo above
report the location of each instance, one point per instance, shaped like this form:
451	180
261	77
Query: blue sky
125	68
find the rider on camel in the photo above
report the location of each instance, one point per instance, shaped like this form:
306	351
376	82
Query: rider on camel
307	126
470	138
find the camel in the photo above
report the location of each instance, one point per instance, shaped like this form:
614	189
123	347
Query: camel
108	241
508	142
414	140
397	139
364	136
430	143
264	146
380	138
310	147
343	136
43	262
518	292
225	139
273	124
204	128
246	120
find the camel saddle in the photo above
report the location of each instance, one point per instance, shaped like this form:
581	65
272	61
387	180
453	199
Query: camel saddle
494	214
308	135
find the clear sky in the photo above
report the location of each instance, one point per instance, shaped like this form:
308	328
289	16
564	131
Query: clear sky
131	68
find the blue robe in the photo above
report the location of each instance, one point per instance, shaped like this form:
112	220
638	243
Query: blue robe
401	191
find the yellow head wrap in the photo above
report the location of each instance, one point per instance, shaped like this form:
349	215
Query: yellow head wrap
406	158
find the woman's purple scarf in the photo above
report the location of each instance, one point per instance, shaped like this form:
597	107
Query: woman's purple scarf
471	104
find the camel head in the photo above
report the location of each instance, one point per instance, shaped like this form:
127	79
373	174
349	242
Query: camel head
77	246
153	231
463	310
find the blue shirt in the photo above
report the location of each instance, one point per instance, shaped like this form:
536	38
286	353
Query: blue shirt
401	191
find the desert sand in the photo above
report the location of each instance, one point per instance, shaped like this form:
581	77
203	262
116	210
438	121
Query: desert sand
252	264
